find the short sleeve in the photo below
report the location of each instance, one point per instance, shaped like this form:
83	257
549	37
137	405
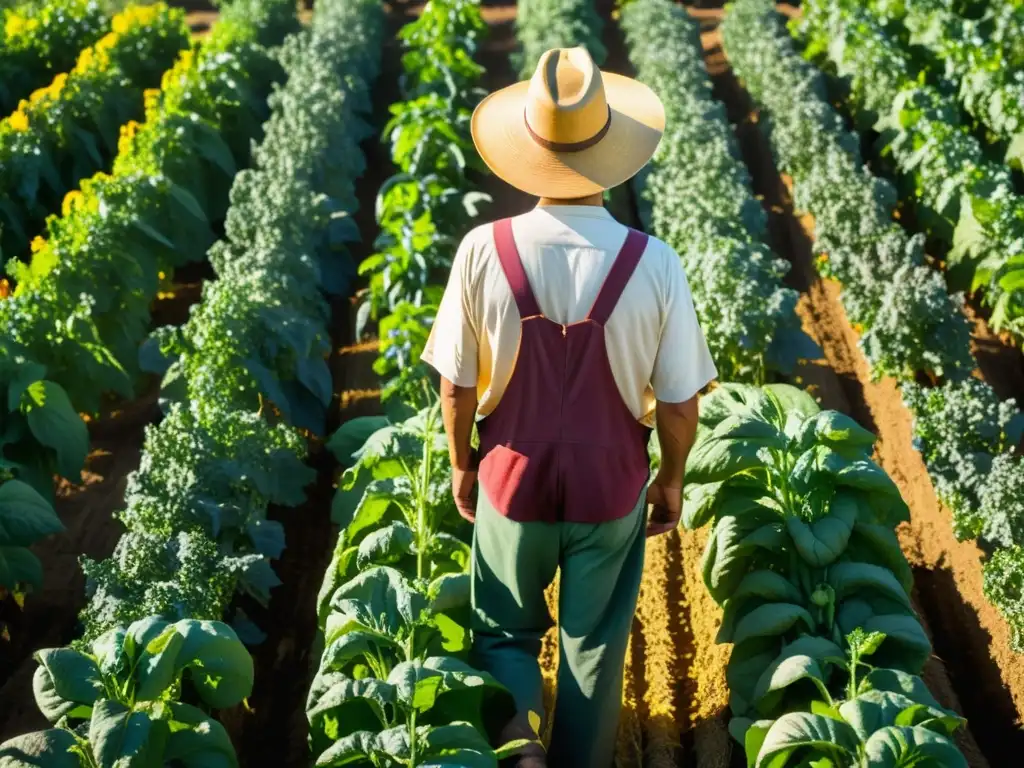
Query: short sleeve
451	348
683	365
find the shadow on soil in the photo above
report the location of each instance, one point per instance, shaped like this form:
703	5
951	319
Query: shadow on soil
959	643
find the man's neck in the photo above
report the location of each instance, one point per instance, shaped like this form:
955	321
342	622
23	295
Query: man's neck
593	200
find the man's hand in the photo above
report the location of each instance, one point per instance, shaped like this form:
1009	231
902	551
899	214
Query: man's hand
666	507
464	492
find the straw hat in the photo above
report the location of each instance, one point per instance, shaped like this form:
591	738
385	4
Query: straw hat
570	131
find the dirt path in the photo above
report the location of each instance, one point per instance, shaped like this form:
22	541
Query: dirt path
973	669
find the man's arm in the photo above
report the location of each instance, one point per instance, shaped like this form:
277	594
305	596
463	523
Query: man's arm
458	410
677	430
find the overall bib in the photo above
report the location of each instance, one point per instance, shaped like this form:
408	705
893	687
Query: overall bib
563	479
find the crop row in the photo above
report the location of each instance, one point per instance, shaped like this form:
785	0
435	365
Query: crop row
392	687
983	57
69	130
72	329
962	198
696	196
196	516
545	24
802	554
965	434
39	40
423	208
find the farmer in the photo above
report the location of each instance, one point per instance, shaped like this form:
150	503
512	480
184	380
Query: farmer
564	336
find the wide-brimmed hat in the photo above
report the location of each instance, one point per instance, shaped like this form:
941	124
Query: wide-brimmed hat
570	131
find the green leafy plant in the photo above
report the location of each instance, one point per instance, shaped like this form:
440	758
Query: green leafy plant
118	700
25	518
38	40
246	375
392	688
803	539
696	196
545	24
69	130
882	717
960	426
72	327
909	323
422	209
962	197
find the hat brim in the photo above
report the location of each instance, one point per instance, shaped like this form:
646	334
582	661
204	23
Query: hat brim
505	145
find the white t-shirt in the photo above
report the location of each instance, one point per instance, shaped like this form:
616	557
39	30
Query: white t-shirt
655	344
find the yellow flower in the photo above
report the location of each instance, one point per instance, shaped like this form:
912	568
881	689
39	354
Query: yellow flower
122	22
38	244
18	121
14	25
128	132
107	42
151	98
70	199
5	288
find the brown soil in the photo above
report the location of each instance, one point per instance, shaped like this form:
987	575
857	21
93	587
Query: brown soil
973	669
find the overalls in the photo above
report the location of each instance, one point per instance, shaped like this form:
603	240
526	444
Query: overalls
563	480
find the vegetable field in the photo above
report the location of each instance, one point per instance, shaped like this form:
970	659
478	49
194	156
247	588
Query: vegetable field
226	530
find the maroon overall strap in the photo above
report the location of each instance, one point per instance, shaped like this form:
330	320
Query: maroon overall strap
512	265
618	276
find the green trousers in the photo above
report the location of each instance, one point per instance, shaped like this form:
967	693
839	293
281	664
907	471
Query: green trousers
601	566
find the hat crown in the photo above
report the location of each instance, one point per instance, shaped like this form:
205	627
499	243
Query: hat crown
566	103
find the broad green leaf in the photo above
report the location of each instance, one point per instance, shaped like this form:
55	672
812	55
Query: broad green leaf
771	620
381	599
25	516
350	750
55	423
849	579
821	542
66	682
159	663
897	681
839	430
456	736
125	738
794	400
823	736
19	566
726	400
747	663
918	747
449	591
346	706
714	460
879	544
769	585
807	657
873	710
359	510
785	672
352	435
386	545
346	647
906	645
42	749
219	666
197	740
731	548
699	504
